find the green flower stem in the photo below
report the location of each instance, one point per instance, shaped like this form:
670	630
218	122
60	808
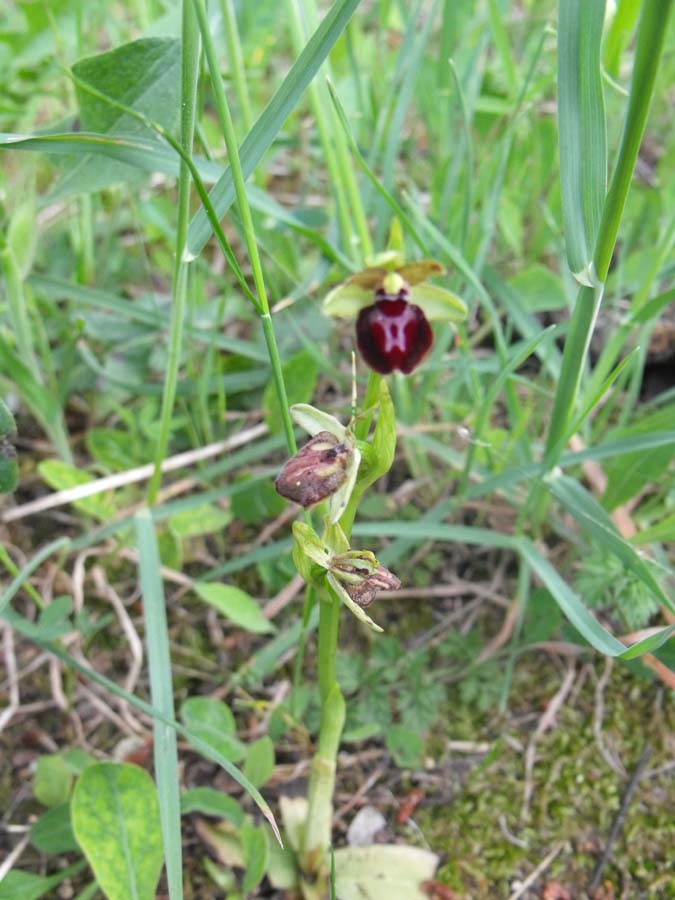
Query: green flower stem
318	829
329	626
189	79
322	781
226	124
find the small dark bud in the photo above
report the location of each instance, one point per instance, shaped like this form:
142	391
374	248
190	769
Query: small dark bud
317	470
364	592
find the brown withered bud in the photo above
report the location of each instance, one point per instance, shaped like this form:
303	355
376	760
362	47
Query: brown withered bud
317	470
363	593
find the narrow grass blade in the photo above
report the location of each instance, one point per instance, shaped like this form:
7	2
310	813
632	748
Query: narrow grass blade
206	749
161	691
568	601
25	573
269	124
590	515
652	32
189	81
582	129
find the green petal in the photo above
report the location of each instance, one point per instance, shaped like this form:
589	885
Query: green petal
314	420
347	300
437	304
349	603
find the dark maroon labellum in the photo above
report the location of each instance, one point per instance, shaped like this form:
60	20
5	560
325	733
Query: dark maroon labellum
393	334
317	470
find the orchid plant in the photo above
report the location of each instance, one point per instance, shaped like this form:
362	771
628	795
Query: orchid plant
393	305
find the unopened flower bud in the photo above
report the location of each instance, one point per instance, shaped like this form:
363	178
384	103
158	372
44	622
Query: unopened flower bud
318	470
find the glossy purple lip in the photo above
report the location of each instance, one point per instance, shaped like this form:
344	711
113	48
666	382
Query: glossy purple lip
393	334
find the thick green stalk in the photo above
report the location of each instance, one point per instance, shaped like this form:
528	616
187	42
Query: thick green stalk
190	75
318	829
226	124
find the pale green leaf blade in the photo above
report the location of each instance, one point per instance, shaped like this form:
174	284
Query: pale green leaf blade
161	691
211	721
142	74
383	871
115	817
236	605
259	761
582	129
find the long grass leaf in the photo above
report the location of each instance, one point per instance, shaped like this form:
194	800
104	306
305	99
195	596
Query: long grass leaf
581	128
149	710
568	601
266	129
161	692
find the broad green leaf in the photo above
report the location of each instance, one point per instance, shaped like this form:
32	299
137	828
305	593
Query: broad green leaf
19	885
210	802
538	289
300	374
236	605
61	475
9	467
268	126
257	502
115	816
259	761
40	402
582	129
627	476
52	781
255	850
211	721
111	447
282	868
7	423
405	746
383	872
53	621
53	832
144	75
205	519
